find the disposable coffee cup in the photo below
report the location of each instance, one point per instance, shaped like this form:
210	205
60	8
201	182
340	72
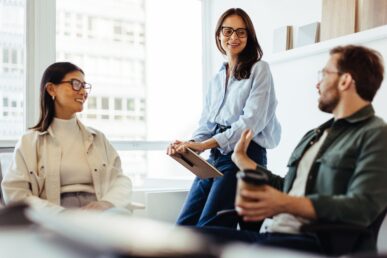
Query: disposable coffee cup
250	180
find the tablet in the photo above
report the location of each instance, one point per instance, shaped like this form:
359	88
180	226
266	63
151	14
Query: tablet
196	164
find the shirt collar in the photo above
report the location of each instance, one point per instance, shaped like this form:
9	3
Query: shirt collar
223	67
359	116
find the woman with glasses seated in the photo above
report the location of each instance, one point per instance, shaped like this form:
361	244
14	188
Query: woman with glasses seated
60	163
240	96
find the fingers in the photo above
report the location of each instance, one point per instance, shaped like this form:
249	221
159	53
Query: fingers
181	148
249	135
244	141
176	147
256	194
254	218
250	203
252	215
244	133
171	150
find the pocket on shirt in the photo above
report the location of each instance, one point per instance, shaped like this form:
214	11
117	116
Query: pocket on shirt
336	170
339	161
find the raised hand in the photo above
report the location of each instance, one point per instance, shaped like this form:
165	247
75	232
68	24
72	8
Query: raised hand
239	157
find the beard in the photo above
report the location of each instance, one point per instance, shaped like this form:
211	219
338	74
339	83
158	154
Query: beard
328	101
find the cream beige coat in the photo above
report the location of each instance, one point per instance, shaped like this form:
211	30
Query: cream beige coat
34	174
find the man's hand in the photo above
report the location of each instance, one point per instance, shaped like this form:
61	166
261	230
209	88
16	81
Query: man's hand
98	205
260	203
266	201
239	157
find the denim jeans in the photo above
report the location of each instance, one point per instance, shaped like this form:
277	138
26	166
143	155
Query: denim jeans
208	196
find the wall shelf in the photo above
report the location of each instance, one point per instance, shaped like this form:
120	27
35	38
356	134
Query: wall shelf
362	37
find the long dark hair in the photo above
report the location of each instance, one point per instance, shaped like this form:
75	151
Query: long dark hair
53	74
252	52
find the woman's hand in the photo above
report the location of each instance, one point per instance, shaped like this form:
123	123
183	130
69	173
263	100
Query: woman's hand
98	205
171	150
181	147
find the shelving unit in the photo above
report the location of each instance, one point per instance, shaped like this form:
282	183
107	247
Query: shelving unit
324	46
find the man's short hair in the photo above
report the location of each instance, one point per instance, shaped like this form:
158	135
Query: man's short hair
365	66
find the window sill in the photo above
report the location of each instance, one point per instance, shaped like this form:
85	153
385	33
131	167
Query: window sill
163	185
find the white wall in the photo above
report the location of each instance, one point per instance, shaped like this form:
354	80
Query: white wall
295	78
295	82
266	15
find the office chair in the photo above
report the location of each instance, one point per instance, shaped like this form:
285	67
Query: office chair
340	239
335	239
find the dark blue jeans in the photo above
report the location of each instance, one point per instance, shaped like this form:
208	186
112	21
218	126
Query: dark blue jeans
208	196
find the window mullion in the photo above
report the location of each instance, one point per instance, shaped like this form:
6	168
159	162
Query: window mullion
40	31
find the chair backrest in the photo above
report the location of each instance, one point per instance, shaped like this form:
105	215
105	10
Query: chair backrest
5	159
1	192
382	236
341	239
373	230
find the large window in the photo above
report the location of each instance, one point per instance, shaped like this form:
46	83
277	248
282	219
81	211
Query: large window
12	68
144	60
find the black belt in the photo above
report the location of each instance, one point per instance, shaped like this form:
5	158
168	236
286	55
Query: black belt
221	128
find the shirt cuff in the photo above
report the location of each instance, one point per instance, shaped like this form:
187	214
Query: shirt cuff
223	143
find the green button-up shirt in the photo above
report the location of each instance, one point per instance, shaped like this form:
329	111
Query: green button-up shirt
348	179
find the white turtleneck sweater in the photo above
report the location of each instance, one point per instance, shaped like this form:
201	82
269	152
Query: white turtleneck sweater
75	175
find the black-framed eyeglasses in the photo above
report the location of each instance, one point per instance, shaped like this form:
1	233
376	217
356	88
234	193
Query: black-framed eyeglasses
321	74
77	85
240	32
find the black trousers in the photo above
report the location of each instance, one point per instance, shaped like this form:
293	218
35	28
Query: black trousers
300	242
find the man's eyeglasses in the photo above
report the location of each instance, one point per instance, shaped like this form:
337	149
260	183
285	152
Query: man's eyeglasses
240	32
77	85
322	73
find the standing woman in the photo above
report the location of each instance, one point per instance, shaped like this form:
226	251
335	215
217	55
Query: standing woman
61	163
240	96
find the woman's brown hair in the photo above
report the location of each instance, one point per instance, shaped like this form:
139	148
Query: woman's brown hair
251	54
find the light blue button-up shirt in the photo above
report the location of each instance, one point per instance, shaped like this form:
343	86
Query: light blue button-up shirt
247	103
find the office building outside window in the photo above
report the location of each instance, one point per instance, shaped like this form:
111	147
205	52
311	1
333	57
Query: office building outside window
12	68
141	57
